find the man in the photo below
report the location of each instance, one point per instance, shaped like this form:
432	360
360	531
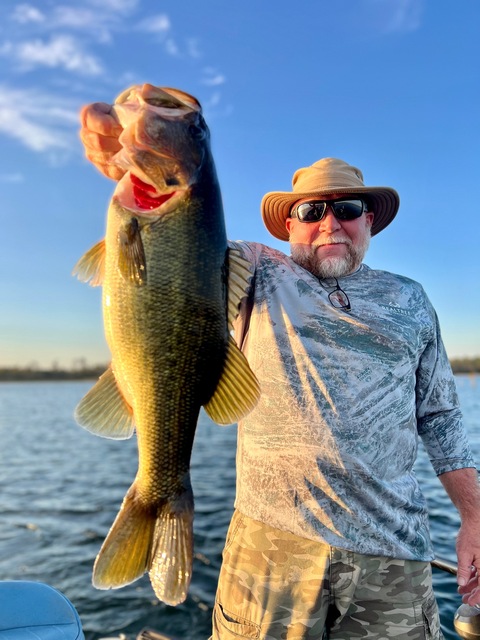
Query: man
330	533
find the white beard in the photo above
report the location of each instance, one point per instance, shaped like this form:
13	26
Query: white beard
333	266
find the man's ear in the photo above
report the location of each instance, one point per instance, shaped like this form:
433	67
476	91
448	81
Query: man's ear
369	216
288	224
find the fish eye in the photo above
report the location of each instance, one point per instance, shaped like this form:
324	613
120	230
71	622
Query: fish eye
196	132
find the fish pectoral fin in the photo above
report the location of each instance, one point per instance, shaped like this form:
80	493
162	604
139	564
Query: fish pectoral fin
91	266
240	274
238	390
144	538
104	411
131	257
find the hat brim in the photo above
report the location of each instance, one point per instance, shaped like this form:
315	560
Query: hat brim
276	205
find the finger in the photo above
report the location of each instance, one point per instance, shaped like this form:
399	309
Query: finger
471	584
97	142
465	564
98	117
472	598
103	164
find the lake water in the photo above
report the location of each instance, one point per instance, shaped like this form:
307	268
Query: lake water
61	487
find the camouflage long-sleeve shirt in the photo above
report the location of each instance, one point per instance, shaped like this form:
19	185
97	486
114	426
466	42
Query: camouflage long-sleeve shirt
328	452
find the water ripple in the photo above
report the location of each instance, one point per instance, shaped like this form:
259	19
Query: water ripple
61	487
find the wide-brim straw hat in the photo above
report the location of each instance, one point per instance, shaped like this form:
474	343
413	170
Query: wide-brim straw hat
324	178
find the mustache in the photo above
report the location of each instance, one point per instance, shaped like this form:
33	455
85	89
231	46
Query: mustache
333	239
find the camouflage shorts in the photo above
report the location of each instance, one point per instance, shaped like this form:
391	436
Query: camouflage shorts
276	586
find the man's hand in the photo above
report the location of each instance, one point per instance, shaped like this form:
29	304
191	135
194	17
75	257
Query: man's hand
99	133
468	554
464	491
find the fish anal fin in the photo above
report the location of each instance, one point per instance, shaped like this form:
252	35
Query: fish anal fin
104	411
131	257
238	390
91	266
144	538
240	274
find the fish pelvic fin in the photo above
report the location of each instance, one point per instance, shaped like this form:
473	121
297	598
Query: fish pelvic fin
91	266
238	390
104	410
240	274
154	539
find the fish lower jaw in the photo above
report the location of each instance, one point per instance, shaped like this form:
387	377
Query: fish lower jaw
142	198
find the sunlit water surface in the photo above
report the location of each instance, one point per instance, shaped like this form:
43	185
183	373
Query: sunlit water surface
61	487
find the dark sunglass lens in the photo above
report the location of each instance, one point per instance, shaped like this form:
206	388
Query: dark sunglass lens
310	211
348	209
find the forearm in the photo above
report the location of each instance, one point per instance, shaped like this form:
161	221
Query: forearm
463	488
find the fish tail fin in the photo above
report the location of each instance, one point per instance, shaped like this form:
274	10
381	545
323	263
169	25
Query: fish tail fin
157	539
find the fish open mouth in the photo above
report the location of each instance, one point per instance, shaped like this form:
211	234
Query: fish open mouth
146	196
139	196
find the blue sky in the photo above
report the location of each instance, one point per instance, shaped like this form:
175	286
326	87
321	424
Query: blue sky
391	86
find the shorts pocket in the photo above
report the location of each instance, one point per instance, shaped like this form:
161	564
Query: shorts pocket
431	620
227	625
233	527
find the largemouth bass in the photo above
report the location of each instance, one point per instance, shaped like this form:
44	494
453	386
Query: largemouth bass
170	290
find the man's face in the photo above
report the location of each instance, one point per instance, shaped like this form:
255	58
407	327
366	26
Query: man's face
329	247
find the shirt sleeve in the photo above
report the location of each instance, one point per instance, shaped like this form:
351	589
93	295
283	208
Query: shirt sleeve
439	418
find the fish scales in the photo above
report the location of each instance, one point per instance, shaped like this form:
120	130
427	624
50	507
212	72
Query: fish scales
173	363
165	267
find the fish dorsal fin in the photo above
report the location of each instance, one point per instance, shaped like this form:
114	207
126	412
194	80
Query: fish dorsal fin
104	411
238	390
240	274
91	266
131	258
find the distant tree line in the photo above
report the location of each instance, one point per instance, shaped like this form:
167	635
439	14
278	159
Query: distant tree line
465	365
87	372
18	374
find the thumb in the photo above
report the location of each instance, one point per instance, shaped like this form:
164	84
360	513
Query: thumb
463	574
465	567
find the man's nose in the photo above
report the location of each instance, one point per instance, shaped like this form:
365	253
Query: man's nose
329	222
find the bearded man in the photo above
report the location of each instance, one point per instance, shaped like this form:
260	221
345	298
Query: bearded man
330	532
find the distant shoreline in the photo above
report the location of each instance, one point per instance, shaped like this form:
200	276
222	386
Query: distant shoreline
28	374
18	374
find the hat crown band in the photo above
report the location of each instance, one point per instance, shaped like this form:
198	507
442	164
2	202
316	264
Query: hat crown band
327	175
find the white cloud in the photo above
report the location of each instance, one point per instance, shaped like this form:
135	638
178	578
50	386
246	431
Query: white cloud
117	6
406	15
12	178
73	17
96	18
61	51
159	25
156	24
398	15
193	49
171	47
213	101
25	13
40	121
87	20
212	78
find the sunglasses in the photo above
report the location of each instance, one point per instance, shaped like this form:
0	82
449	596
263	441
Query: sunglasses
315	210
